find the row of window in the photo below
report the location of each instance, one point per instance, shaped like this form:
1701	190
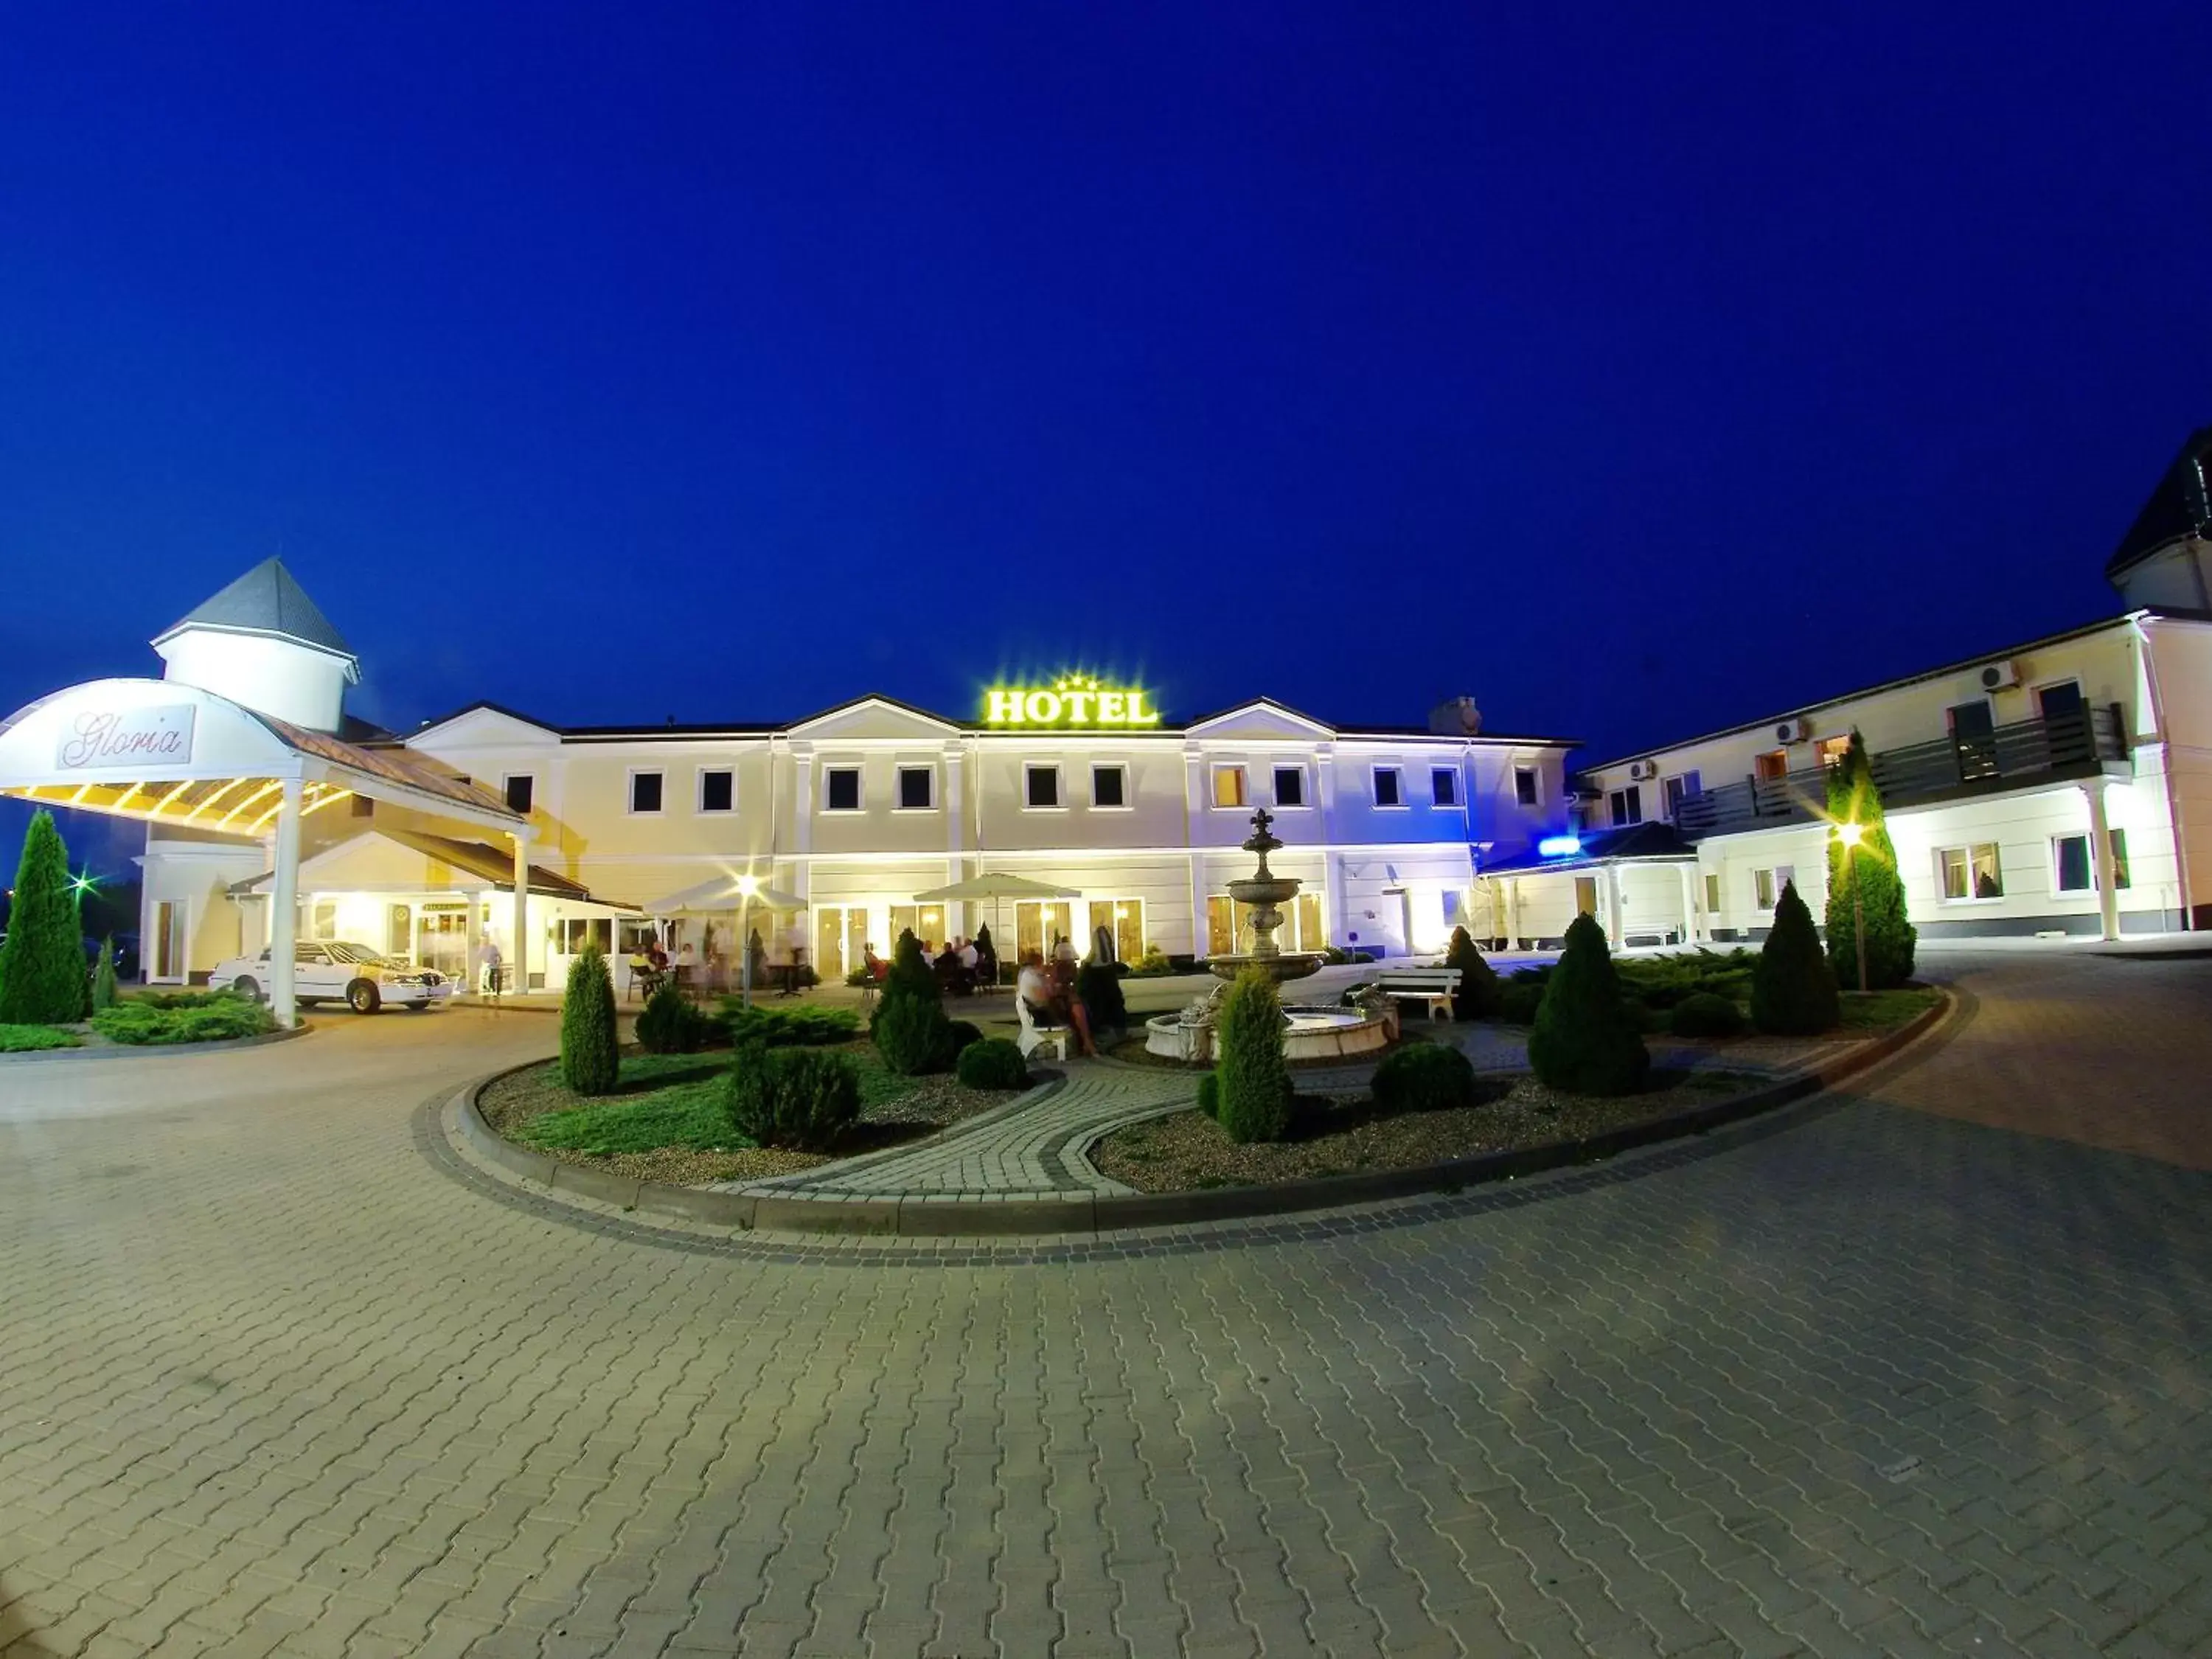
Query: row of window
915	789
1975	870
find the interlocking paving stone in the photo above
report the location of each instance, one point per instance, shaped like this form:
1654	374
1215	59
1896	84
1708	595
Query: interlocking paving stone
303	1383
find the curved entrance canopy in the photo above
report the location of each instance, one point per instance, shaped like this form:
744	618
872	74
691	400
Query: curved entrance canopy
172	755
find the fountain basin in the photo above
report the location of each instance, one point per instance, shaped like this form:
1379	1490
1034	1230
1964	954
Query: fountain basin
1308	1034
1291	964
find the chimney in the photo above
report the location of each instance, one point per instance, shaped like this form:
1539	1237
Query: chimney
1457	718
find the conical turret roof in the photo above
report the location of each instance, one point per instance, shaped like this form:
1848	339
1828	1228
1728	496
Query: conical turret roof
267	600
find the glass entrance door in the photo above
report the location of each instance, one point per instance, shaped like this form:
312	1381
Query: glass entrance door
441	941
1040	926
168	940
840	940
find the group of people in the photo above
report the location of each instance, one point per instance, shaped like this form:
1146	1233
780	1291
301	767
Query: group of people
960	964
1050	991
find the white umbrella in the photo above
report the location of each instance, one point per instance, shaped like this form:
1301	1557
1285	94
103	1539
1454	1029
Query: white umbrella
994	886
718	895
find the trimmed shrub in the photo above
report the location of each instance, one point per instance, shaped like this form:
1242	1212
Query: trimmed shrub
1477	996
1152	964
1423	1077
221	1020
28	1039
909	1027
1793	989
804	1098
591	1058
1256	1082
103	977
776	1025
1584	1041
1098	987
42	963
991	1063
1892	940
1702	1014
672	1024
1209	1095
1519	998
960	1036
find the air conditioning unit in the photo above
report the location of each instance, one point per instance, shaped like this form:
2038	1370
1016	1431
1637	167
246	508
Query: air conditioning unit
1642	770
1793	732
2000	676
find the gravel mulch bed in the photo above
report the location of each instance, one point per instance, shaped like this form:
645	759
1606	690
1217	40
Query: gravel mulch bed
1345	1135
924	1106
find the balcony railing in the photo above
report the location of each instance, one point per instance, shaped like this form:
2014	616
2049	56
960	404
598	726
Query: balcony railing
2062	746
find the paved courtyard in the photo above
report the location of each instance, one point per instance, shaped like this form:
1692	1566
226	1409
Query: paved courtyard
1929	1370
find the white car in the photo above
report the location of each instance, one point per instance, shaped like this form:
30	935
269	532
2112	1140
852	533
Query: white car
332	971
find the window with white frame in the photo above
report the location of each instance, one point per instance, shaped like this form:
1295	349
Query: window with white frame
1109	786
645	792
917	788
841	789
521	792
1972	872
2073	871
1041	787
1388	790
1525	786
1443	786
1290	786
1228	786
718	789
1713	896
1627	805
1766	885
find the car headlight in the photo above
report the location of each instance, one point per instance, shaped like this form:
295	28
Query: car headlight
408	979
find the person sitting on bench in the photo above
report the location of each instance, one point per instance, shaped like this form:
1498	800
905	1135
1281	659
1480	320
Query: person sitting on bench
1048	1007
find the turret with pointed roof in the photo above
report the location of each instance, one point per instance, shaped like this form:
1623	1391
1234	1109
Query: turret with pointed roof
263	643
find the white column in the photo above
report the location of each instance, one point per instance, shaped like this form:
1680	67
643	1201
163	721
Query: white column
1513	934
519	951
284	909
2100	851
1690	935
1616	929
1198	945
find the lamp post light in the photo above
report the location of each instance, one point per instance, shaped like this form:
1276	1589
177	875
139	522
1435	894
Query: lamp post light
747	887
1851	834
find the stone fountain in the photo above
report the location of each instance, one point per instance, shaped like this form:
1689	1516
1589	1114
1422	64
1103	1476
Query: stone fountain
1266	892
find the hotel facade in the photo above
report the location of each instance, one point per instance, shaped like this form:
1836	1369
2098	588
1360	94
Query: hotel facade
2062	786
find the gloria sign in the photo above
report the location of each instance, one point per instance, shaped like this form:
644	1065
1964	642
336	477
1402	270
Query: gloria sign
94	738
1070	700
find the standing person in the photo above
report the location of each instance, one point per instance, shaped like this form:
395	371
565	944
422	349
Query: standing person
796	959
491	965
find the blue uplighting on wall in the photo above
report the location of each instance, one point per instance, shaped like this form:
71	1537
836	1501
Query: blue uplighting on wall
1559	847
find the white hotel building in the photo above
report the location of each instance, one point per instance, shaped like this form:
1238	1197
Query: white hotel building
2062	786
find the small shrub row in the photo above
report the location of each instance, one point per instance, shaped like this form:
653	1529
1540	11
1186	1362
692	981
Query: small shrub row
798	1025
672	1024
225	1017
28	1039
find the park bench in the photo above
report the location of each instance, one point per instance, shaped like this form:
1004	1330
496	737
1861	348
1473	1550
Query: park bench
1434	986
1034	1036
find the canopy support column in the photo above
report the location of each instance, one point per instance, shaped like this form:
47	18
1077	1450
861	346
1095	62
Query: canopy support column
284	910
1616	925
519	932
1691	932
2100	853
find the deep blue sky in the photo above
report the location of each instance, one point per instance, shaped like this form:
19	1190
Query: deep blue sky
1635	375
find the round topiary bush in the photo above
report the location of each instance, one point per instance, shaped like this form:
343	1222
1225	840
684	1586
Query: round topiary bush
803	1098
1793	988
1423	1077
1704	1014
1585	1039
589	1058
991	1063
1255	1081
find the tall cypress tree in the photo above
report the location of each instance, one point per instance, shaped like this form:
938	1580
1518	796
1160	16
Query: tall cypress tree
1584	1041
1853	799
42	964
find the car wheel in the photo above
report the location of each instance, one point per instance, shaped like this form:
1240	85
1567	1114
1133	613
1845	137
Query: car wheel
362	997
245	987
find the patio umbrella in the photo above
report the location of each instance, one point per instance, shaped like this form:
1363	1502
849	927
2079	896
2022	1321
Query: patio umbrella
709	898
996	886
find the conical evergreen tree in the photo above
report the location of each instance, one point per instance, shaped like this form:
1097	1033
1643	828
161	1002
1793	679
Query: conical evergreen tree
1890	939
42	963
1477	995
1584	1041
1254	1102
591	1058
909	1025
1793	990
103	976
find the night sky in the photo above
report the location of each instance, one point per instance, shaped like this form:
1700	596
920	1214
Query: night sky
1637	376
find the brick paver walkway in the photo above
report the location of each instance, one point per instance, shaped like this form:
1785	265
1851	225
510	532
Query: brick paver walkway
1872	1379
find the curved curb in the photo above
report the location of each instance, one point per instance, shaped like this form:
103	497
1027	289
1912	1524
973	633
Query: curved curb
1091	1213
106	1051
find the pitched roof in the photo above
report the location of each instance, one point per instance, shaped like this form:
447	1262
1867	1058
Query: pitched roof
265	600
1654	839
486	863
2178	507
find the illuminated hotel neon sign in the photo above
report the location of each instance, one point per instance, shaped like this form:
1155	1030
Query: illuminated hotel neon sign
1070	700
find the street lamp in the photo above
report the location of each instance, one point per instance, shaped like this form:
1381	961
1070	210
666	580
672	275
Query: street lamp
1851	834
748	886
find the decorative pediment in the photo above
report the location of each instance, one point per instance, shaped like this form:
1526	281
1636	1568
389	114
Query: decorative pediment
1263	719
482	726
873	719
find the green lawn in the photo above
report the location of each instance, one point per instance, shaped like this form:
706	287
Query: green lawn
670	1100
23	1039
